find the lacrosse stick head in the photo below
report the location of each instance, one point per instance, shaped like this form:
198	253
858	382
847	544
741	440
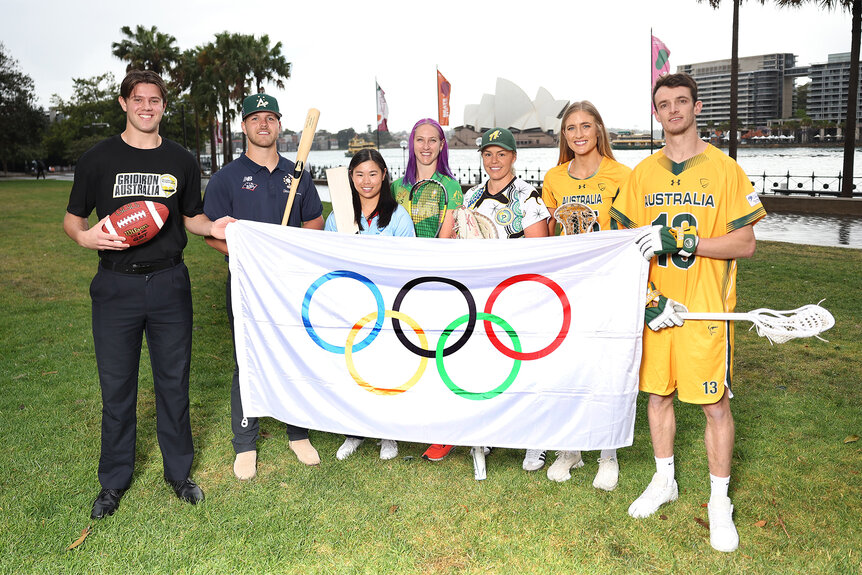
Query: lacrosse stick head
782	326
470	224
576	218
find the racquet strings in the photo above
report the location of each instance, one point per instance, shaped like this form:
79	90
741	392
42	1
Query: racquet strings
428	201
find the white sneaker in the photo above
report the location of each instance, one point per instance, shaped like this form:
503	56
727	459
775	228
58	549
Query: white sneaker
349	447
608	475
388	449
559	470
534	460
661	490
722	531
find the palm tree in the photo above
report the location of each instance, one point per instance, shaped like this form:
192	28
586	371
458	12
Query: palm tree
734	74
268	64
194	72
147	49
855	8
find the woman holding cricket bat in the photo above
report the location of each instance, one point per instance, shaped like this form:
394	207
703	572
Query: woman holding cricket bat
586	173
376	213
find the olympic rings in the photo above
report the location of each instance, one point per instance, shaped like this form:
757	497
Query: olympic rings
564	329
306	302
471	321
470	394
348	354
440	351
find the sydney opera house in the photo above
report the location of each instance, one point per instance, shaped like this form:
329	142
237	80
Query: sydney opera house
534	123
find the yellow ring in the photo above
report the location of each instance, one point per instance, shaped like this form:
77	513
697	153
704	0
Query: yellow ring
348	353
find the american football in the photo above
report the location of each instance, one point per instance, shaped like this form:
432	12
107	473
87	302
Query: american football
139	222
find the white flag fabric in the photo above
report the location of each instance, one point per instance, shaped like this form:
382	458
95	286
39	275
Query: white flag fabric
534	343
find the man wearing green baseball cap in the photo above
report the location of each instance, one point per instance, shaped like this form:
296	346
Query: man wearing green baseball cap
255	187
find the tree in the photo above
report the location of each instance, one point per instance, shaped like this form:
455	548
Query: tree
197	72
267	64
21	121
801	100
855	8
147	49
92	114
344	137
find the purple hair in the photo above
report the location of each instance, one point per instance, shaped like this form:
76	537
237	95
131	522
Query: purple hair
442	159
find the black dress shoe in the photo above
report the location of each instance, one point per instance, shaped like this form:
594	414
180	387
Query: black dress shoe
106	503
187	490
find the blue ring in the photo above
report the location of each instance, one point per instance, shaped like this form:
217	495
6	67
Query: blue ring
381	312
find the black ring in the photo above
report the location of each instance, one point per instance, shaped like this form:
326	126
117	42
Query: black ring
468	331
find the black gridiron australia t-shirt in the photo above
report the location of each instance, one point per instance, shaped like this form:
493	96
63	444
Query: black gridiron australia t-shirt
113	173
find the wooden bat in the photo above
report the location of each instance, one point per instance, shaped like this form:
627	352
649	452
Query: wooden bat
341	197
305	142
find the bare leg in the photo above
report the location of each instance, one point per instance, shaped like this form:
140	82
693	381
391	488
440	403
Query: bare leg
662	424
719	436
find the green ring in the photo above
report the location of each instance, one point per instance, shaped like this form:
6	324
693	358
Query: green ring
441	344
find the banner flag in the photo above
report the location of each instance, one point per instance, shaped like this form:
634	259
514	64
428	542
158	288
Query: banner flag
444	88
660	63
382	109
523	344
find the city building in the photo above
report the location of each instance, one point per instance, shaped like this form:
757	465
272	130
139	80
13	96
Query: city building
765	89
827	93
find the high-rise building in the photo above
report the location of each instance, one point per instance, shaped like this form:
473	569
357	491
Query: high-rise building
827	93
765	89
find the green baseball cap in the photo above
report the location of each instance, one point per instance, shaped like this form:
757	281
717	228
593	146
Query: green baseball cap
260	103
498	137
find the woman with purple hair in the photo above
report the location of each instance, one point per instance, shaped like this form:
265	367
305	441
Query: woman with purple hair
429	160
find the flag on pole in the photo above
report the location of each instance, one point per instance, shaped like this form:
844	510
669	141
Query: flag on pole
512	343
660	64
217	132
660	59
382	109
443	90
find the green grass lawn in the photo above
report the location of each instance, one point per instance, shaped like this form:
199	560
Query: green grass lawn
796	485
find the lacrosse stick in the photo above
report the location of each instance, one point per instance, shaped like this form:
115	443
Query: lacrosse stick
779	326
575	218
470	224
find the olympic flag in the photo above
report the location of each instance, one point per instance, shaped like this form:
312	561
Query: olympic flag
524	344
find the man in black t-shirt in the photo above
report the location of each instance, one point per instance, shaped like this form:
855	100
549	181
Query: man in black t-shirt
141	289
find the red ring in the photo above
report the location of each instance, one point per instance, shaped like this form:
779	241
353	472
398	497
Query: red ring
564	330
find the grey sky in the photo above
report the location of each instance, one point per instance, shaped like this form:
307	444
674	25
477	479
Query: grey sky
586	50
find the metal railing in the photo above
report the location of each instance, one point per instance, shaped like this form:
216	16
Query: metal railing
778	184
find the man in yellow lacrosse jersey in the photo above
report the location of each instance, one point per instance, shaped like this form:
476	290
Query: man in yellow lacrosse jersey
702	209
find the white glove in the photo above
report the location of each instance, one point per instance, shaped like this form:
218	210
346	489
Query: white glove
665	314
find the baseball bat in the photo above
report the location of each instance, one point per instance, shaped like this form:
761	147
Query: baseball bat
305	142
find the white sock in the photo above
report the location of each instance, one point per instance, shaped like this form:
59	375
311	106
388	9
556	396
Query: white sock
664	465
718	486
608	453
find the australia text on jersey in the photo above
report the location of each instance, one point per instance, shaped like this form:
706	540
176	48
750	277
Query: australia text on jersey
148	185
584	199
679	199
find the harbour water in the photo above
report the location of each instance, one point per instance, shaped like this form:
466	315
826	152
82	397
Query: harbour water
800	163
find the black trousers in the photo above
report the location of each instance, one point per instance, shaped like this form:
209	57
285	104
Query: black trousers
126	306
246	429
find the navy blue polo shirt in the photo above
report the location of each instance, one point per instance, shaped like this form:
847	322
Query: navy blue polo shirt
246	191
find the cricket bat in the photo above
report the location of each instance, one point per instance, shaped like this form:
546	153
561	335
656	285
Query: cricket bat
341	197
